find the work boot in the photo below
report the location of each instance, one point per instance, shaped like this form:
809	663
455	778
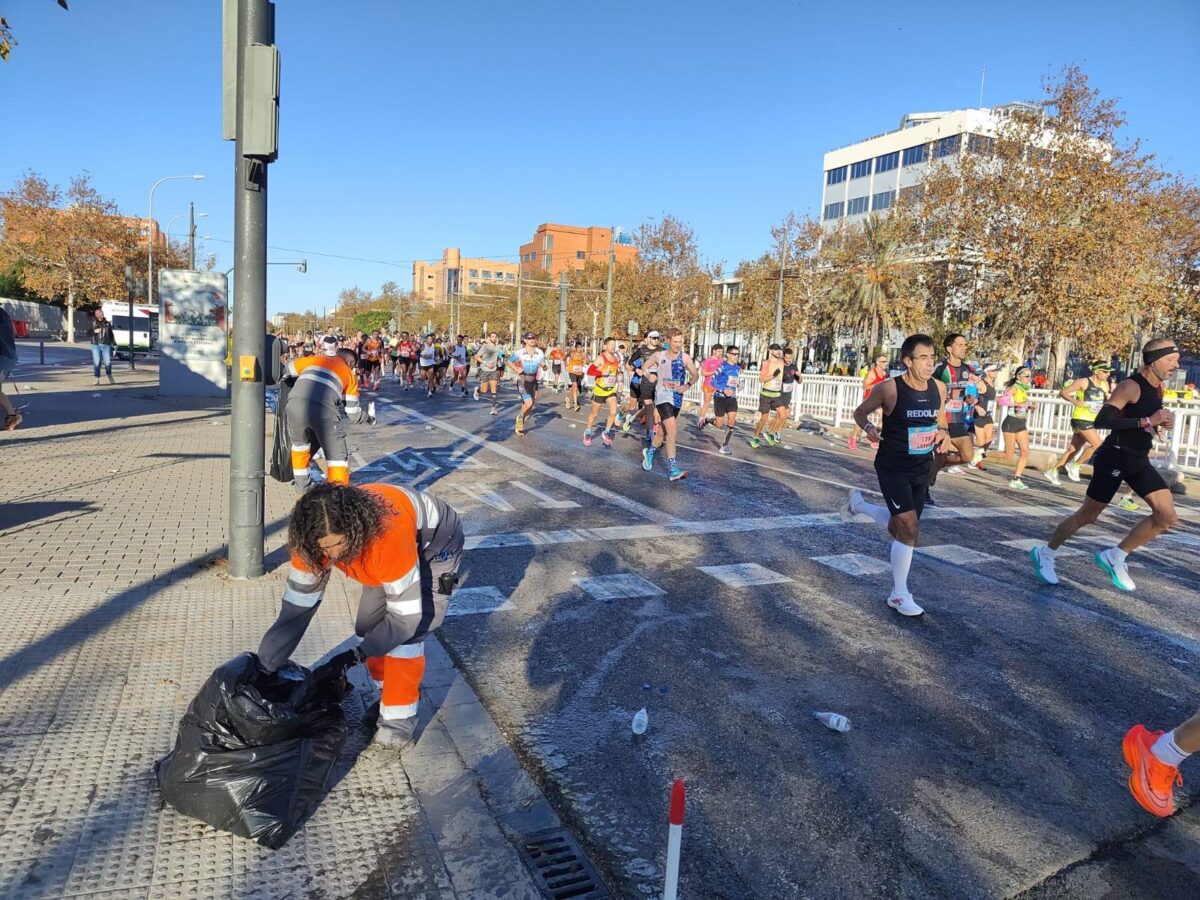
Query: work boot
398	734
111	380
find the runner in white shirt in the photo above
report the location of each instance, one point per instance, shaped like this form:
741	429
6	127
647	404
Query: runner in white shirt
528	363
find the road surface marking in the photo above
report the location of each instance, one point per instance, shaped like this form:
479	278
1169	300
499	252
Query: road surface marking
469	601
959	556
483	495
641	510
856	564
741	575
547	502
618	587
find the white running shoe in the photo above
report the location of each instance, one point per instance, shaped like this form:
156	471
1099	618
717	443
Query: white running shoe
1052	477
476	395
854	500
1116	569
976	459
1018	485
955	470
1072	471
1043	566
905	605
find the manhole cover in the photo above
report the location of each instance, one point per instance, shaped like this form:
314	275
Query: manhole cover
560	867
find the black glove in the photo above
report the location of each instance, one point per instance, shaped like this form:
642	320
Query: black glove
340	663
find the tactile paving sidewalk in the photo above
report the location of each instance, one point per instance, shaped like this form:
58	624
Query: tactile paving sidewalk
112	613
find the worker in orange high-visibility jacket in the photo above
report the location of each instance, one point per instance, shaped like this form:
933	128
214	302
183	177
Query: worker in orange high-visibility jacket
320	387
404	547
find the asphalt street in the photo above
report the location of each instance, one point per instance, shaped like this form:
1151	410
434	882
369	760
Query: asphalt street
984	758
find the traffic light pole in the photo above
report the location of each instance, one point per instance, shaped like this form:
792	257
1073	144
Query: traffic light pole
612	262
255	25
562	309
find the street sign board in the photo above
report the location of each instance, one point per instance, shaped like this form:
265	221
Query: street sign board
192	333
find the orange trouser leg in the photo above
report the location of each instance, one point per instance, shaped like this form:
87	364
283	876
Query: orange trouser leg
337	472
301	457
403	669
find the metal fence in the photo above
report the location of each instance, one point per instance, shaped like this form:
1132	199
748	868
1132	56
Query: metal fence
832	399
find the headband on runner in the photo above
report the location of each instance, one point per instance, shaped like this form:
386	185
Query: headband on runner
1150	356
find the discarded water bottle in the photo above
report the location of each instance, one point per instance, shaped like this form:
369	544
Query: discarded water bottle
833	720
641	719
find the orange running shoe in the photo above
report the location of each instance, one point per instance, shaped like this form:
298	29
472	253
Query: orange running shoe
1152	781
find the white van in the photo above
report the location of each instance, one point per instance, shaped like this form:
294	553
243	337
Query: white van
145	325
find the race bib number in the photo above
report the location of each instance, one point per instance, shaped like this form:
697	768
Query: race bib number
1096	407
953	406
609	381
921	439
731	383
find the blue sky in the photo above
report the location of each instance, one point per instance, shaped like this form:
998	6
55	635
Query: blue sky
408	127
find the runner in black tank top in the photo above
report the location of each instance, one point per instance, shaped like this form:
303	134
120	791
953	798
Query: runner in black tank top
913	429
1134	413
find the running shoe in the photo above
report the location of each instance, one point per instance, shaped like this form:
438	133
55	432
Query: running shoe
11	422
975	466
625	425
475	396
754	443
494	411
770	439
976	459
1052	477
1152	781
1116	569
854	500
1072	471
606	436
852	443
648	458
1017	484
955	470
520	425
700	424
677	473
1043	566
587	438
428	394
1128	503
727	450
905	605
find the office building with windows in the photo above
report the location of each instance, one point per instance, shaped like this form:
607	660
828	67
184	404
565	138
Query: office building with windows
871	175
437	280
561	248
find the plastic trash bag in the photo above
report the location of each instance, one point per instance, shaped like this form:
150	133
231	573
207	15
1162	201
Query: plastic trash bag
256	750
281	448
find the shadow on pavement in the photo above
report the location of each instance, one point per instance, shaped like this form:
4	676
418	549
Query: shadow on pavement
16	514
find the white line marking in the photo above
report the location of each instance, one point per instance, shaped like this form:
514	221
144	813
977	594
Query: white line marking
639	509
744	575
956	555
618	587
548	502
471	600
855	564
483	495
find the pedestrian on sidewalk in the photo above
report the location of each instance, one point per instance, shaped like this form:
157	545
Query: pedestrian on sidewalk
404	547
8	362
102	346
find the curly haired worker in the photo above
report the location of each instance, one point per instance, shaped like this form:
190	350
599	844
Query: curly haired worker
404	548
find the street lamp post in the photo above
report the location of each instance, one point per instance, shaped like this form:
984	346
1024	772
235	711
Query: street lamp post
150	255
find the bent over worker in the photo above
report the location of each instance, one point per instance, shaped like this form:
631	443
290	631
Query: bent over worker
323	385
404	548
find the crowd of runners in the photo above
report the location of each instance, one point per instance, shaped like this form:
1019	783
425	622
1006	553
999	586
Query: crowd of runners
936	414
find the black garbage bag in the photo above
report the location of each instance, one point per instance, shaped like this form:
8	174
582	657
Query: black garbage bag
255	749
281	448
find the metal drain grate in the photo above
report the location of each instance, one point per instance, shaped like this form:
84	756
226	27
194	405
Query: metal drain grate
560	867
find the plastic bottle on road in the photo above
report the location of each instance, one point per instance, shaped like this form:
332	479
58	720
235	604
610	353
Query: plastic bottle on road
835	721
641	719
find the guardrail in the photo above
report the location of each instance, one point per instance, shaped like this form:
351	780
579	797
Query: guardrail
832	399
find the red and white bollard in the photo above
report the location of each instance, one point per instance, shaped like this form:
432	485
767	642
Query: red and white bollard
674	839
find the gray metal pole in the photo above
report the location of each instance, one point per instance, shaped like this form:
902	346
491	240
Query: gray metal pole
517	334
248	445
562	308
779	296
612	262
191	235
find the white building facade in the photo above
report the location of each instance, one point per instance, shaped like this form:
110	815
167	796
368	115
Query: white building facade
871	175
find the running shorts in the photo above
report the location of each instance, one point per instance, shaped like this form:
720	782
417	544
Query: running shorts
1112	465
600	396
981	421
707	388
577	380
903	490
786	397
527	385
425	367
459	370
667	410
958	429
723	406
1078	425
1013	425
556	368
489	376
635	390
767	404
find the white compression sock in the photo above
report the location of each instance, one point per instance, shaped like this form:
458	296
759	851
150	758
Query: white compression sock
877	514
1048	552
902	555
1166	751
1118	554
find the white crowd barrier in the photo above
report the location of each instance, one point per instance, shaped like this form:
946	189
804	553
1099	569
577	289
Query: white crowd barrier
831	399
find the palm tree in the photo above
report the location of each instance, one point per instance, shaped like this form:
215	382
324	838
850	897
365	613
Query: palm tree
874	288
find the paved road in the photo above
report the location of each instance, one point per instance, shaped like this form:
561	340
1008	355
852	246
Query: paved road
985	755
